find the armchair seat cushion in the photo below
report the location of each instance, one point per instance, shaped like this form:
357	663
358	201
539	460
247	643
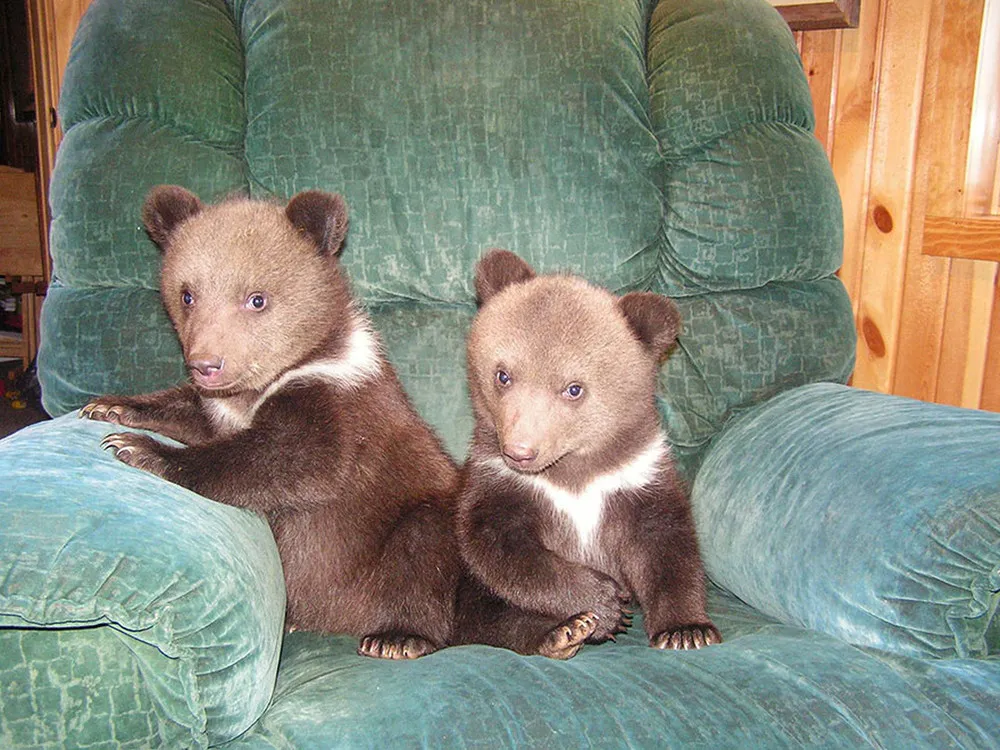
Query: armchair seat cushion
768	686
869	517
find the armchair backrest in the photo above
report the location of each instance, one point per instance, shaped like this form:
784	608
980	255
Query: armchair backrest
664	148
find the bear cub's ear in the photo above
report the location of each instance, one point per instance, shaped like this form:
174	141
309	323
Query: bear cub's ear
497	270
322	217
654	319
165	208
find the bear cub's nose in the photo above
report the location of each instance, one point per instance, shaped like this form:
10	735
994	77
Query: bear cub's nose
207	365
520	453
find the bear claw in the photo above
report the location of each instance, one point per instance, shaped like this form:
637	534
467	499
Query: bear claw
135	450
686	638
101	412
395	646
566	638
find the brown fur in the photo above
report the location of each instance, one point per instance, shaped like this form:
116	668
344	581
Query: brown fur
562	376
357	489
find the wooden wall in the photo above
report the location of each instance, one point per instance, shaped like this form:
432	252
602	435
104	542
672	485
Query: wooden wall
912	133
52	26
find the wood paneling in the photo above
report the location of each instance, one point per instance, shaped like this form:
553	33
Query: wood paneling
20	240
920	248
52	24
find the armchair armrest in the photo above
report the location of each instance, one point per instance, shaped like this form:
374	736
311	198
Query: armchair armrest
870	517
129	607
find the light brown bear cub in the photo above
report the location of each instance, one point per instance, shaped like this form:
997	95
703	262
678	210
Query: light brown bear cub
294	412
572	505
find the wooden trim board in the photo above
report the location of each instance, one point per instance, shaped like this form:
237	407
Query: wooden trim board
810	15
971	239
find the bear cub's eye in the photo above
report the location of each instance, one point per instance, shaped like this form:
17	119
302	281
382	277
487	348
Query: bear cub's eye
187	298
256	301
573	391
503	378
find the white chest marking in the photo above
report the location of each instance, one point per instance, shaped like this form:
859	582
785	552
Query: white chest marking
360	363
584	508
226	416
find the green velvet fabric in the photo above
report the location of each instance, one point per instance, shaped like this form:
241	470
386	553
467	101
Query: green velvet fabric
49	696
874	519
610	139
179	599
768	686
646	145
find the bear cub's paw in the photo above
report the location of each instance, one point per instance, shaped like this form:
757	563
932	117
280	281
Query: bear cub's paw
395	646
611	609
140	451
111	409
566	638
687	637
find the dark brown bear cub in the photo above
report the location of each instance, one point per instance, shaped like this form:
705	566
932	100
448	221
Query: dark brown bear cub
572	504
294	412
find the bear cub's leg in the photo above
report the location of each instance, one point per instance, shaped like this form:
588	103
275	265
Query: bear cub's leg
482	617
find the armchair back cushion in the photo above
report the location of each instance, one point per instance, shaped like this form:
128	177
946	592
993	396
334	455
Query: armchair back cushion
664	148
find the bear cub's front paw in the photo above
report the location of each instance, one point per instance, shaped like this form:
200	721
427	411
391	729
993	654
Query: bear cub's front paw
687	637
611	609
110	409
140	451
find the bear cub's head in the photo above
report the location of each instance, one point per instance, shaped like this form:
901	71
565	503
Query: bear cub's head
563	373
252	288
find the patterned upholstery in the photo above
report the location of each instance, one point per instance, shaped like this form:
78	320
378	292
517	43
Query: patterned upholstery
558	129
647	145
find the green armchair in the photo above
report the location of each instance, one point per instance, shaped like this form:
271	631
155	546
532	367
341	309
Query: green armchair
852	539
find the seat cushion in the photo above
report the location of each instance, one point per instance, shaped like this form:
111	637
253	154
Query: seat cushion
767	686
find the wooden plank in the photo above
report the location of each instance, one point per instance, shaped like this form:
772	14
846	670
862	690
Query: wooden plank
11	346
962	358
810	15
990	398
820	52
981	308
925	279
30	311
901	51
971	239
52	24
853	128
20	243
940	349
983	179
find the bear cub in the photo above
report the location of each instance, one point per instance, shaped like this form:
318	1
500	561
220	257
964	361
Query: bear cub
571	505
293	411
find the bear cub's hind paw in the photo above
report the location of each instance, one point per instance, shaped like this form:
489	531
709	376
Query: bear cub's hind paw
395	646
686	638
565	639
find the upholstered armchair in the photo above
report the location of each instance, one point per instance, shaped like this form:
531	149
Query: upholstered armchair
852	539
